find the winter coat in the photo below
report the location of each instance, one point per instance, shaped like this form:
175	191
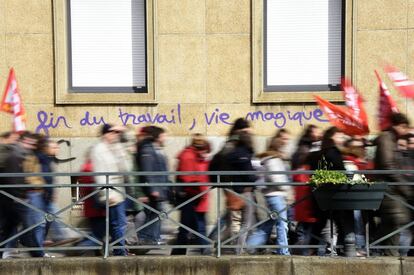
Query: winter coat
47	166
12	162
388	157
108	158
150	159
31	165
134	191
331	157
274	163
190	160
90	207
305	209
240	159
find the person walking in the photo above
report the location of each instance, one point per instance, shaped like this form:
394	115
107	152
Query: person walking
110	156
151	158
394	214
275	197
193	215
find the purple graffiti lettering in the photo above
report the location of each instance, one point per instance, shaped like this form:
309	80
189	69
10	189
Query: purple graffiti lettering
193	125
317	113
87	120
307	118
298	116
224	117
217	117
46	122
255	116
209	120
178	112
159	118
282	117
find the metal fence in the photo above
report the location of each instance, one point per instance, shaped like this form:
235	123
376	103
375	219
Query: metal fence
217	243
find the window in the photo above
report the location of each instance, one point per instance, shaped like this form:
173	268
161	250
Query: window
104	46
300	47
107	45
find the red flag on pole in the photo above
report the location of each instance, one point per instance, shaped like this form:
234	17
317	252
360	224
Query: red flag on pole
343	118
354	100
12	103
387	105
401	81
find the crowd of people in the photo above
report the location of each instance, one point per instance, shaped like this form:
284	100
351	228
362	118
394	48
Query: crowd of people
300	223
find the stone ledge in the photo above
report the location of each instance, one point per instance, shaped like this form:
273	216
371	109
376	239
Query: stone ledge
209	265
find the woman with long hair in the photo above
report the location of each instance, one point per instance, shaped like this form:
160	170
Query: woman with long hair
275	197
331	158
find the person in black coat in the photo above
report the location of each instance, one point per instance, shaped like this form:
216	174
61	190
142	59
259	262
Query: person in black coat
330	158
240	159
150	158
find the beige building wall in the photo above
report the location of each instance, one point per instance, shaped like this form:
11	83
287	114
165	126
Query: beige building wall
204	66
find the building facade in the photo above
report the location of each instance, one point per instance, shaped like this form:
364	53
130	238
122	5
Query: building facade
195	65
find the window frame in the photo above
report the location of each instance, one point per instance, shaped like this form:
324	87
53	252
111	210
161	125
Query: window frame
295	93
65	93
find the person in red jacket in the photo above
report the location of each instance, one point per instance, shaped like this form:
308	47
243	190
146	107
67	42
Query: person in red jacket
193	214
94	214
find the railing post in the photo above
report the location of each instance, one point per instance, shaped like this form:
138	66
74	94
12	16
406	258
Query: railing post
106	218
367	237
218	218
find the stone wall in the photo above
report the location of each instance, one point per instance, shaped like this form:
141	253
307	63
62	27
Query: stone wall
209	266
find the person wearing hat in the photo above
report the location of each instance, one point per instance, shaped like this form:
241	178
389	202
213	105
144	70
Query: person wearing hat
109	156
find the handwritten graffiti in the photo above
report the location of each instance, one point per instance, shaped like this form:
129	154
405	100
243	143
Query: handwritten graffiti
91	120
279	119
147	118
176	116
48	121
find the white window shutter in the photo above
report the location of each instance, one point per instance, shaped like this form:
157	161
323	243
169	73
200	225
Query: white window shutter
303	42
107	43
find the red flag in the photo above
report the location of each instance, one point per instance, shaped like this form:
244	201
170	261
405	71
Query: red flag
343	118
387	105
401	81
12	103
354	100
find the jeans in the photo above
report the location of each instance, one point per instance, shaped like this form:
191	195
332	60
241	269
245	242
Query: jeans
405	240
247	220
117	224
359	229
194	220
53	228
117	227
97	225
36	236
262	234
151	232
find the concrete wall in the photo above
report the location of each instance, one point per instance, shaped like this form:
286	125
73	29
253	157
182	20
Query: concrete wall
210	266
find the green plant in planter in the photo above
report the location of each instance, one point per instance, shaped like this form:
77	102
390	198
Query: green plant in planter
324	176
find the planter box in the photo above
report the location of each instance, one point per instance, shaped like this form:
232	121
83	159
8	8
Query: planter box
350	197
